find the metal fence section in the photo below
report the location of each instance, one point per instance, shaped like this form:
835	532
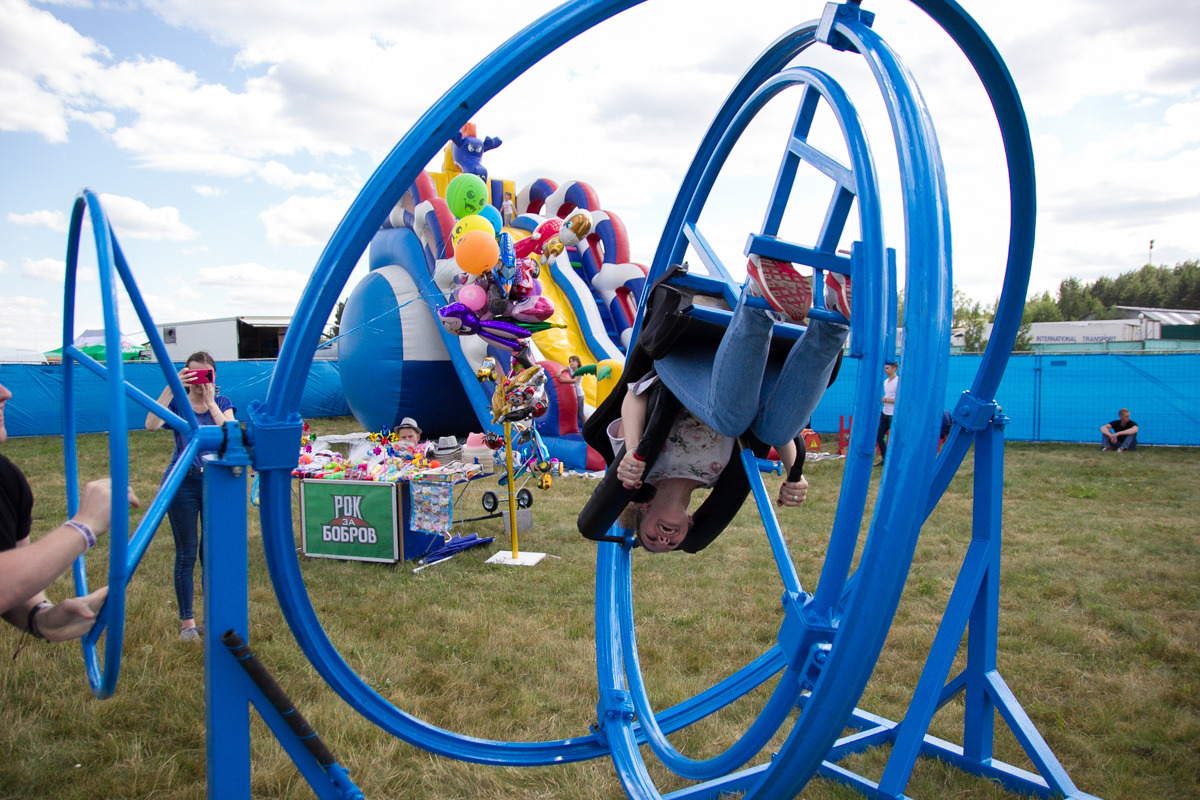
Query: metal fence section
1067	397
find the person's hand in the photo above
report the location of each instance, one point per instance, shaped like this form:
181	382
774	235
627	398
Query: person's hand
95	505
793	493
630	471
187	377
207	392
71	618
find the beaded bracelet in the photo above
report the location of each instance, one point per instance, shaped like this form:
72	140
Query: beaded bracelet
31	620
89	538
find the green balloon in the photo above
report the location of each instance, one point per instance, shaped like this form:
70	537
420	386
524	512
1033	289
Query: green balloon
467	194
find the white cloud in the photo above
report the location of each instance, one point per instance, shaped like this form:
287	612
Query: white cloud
44	64
278	174
136	220
254	286
44	269
54	220
25	320
303	221
208	191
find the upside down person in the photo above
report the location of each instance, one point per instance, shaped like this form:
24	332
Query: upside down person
726	396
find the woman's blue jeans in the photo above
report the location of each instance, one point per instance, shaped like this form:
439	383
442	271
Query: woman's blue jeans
740	389
186	515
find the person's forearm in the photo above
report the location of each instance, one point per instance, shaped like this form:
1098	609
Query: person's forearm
787	454
18	615
26	571
633	419
153	421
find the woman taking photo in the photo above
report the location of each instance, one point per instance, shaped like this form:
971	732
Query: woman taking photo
185	511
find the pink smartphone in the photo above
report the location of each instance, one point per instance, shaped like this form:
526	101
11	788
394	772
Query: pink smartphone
202	376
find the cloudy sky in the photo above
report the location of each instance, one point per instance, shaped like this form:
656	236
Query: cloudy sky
227	138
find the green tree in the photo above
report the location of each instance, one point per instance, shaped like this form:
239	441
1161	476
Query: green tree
1075	301
971	316
1186	286
335	327
1042	308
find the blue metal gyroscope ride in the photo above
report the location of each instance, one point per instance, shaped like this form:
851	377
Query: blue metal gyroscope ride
830	637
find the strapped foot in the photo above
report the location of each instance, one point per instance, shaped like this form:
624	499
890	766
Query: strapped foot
781	285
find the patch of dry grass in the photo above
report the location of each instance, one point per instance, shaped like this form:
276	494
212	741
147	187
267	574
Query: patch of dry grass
1099	633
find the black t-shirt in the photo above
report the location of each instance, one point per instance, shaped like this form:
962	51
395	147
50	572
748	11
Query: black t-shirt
1118	426
16	505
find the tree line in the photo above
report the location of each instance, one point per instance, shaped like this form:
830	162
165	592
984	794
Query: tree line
1149	287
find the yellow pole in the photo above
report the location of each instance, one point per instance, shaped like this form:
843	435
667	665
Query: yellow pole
512	491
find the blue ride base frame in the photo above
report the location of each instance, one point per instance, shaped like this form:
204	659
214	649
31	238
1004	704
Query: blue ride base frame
973	609
228	690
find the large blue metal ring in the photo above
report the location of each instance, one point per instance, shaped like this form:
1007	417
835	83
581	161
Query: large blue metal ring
125	551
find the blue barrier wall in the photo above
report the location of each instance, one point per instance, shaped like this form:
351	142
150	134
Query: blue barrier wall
1057	398
1066	398
36	407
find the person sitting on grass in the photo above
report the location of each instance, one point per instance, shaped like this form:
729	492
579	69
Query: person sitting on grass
1120	434
726	396
27	568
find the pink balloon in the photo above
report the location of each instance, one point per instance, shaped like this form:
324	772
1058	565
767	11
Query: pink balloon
473	296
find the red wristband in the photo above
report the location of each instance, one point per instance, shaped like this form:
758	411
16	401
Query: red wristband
638	456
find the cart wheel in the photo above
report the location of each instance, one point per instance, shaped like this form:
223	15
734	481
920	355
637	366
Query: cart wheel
524	498
490	503
545	482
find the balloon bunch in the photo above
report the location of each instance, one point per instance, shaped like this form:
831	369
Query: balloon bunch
520	395
499	297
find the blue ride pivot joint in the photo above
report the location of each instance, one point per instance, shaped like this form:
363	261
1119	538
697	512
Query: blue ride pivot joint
804	640
974	414
841	12
275	442
615	705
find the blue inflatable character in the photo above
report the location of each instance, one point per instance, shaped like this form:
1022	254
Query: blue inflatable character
469	149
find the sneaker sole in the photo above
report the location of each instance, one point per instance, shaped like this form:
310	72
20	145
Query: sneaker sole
785	289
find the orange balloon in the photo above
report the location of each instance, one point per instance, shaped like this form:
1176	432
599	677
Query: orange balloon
477	252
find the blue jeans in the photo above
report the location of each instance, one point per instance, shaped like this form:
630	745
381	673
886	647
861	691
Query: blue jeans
740	389
186	515
1123	442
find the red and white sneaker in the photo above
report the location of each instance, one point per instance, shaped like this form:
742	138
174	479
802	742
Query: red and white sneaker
837	293
781	285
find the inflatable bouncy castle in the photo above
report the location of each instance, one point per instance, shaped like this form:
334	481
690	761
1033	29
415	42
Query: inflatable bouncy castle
468	268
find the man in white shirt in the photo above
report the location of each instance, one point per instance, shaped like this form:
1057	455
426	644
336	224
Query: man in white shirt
890	385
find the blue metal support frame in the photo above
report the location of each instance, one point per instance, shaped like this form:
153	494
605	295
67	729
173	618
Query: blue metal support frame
228	690
973	609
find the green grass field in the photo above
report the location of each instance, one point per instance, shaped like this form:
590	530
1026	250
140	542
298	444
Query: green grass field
1099	640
